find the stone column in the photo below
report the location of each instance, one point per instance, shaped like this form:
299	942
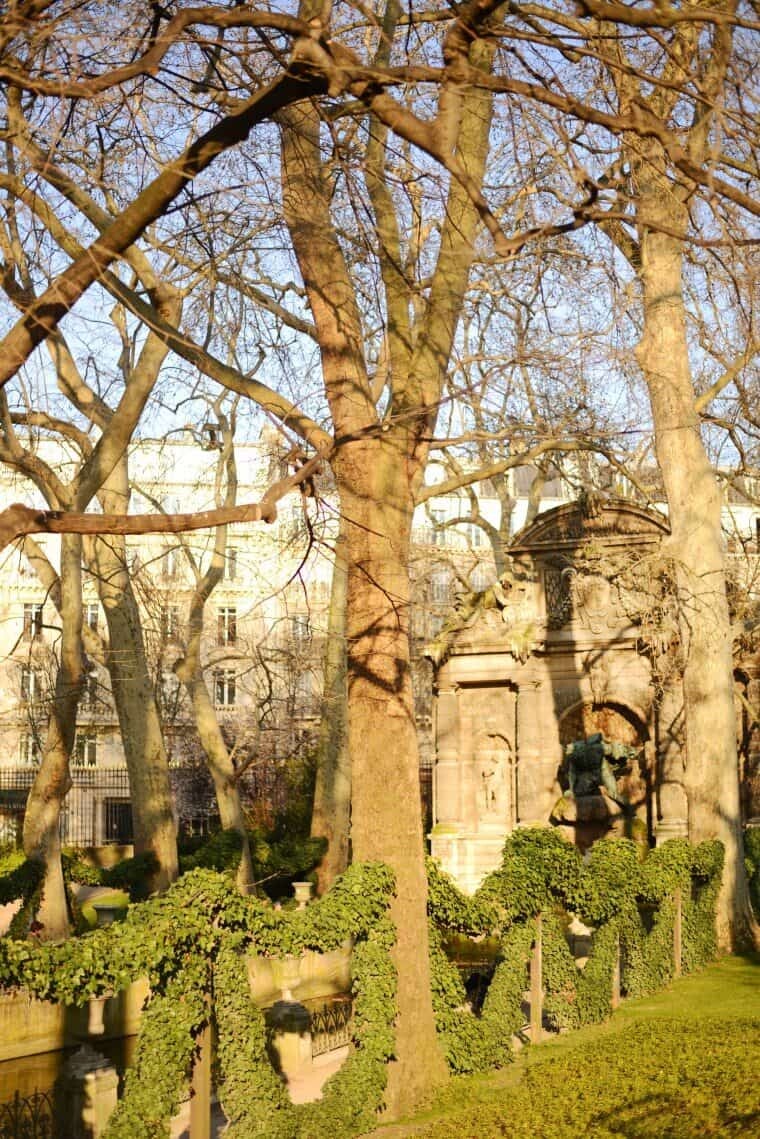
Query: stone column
536	758
87	1093
672	805
447	771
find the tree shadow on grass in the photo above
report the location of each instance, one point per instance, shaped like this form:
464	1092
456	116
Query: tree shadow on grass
658	1117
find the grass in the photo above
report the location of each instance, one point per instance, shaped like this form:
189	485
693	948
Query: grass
111	898
682	1064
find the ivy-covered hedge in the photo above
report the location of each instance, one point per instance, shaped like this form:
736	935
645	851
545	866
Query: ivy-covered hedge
752	855
614	889
192	945
20	879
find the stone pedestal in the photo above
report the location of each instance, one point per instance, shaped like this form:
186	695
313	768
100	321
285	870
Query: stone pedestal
670	828
88	1092
591	817
290	1025
468	856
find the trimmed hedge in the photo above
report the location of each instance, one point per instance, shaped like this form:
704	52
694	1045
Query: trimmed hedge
192	941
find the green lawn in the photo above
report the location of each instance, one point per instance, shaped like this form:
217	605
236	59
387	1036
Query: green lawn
680	1065
111	897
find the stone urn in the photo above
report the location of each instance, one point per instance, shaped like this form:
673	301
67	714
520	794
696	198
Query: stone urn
303	892
302	978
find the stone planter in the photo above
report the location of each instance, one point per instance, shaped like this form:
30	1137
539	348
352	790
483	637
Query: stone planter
303	892
107	913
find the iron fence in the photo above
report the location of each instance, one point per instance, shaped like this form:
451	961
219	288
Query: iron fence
95	811
27	1117
331	1026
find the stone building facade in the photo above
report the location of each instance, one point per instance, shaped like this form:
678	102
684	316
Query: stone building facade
578	637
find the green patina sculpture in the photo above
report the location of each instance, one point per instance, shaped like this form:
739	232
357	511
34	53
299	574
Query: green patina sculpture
590	763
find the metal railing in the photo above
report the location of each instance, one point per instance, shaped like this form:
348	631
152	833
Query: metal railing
94	811
331	1026
27	1117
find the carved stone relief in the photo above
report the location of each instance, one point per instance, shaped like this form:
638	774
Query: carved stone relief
597	668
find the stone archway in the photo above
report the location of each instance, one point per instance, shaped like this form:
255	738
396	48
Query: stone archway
615	721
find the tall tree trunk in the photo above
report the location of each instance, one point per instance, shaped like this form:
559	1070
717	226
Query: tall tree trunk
152	816
139	720
331	812
694	503
377	468
42	842
222	771
386	821
189	671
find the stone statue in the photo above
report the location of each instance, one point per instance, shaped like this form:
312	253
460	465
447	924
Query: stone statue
590	764
489	784
491	769
508	610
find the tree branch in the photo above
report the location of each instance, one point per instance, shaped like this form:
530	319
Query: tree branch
18	520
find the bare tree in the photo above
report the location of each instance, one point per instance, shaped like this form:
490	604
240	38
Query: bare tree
189	666
382	419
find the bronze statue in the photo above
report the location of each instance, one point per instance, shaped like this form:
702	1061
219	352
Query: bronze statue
590	763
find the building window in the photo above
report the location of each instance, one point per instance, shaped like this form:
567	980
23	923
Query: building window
85	750
91	614
304	694
300	628
231	563
32	620
481	577
224	687
322	592
440	589
28	750
31	684
226	625
437	534
169	688
90	693
170	623
294	523
475	535
435	624
169	562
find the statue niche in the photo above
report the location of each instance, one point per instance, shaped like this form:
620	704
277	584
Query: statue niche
493	778
605	775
